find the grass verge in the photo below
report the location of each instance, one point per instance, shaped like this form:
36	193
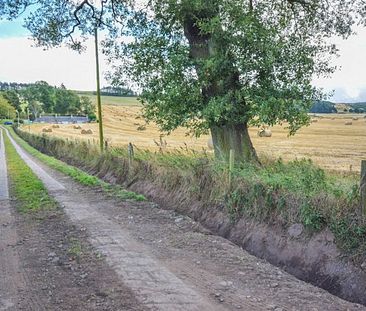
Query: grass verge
277	193
29	191
77	174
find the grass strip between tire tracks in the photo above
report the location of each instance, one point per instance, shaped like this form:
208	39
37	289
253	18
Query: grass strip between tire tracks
77	174
28	190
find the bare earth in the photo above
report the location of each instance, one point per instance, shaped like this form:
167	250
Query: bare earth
11	281
136	256
329	142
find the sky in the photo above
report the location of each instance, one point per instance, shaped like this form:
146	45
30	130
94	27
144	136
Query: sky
22	62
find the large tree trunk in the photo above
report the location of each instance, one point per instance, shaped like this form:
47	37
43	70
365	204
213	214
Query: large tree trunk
225	136
236	137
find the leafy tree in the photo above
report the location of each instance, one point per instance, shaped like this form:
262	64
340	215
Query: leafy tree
13	98
40	92
6	109
323	107
30	96
45	95
216	65
66	101
87	107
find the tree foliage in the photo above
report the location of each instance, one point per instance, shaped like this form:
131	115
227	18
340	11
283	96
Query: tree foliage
87	107
40	97
13	98
323	107
6	109
218	65
66	101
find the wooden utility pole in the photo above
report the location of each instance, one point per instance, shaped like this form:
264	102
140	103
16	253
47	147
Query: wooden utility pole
363	188
99	103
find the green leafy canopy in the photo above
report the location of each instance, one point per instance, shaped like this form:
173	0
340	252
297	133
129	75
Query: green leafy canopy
206	63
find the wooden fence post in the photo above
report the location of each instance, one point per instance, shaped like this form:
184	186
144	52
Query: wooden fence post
363	188
231	167
131	154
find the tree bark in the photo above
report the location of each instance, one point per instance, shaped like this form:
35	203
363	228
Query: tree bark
236	137
225	136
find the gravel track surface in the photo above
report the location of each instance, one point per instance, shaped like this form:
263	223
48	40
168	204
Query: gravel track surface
170	262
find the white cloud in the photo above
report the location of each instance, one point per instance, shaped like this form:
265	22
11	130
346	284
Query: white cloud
20	62
351	76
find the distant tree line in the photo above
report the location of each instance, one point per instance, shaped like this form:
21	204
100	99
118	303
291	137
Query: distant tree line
323	107
116	91
329	107
40	97
357	108
4	86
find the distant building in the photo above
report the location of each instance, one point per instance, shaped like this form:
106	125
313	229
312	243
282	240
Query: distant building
62	119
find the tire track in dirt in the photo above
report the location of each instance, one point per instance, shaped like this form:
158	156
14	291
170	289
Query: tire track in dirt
12	279
9	261
49	182
154	285
185	277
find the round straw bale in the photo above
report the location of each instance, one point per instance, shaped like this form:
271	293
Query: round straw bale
265	133
47	130
86	132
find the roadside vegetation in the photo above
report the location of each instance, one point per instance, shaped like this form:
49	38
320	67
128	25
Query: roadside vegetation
77	174
6	109
34	99
28	190
277	193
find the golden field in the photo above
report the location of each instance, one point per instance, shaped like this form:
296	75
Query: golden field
328	142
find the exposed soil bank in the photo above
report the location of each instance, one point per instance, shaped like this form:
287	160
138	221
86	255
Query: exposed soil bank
313	258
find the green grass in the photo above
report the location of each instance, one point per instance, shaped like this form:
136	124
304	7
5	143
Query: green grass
77	174
299	177
28	190
75	249
277	193
120	193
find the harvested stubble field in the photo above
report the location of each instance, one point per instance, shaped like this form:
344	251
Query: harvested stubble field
329	142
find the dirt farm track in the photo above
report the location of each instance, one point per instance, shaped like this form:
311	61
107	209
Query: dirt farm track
328	141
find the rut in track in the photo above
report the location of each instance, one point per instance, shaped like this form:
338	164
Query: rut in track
12	280
171	263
